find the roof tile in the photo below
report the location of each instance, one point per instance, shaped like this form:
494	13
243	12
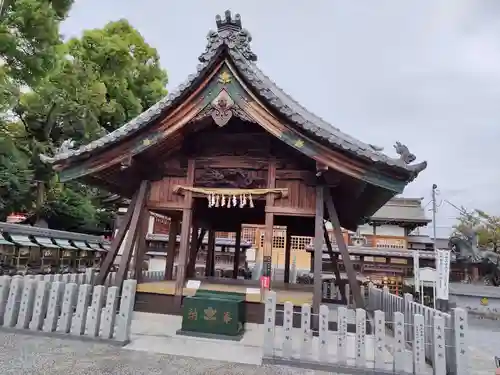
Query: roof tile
236	40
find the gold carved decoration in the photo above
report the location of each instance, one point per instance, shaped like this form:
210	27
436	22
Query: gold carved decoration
299	143
225	78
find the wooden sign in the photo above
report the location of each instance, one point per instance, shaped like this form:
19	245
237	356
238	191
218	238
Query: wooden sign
390	243
267	265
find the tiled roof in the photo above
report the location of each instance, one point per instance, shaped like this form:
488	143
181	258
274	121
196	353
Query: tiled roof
232	38
401	209
419	239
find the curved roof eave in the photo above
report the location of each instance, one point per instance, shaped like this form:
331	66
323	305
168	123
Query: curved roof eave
232	38
134	125
311	123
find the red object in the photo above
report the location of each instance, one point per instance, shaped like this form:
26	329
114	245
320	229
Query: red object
264	282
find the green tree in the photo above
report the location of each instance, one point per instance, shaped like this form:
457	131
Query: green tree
29	36
118	57
487	227
15	176
29	39
99	82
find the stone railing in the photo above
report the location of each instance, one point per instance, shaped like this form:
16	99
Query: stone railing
452	336
290	340
66	306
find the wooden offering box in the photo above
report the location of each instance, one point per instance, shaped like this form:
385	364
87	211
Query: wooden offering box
214	313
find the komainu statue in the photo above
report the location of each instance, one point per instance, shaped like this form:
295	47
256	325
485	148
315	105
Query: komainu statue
466	249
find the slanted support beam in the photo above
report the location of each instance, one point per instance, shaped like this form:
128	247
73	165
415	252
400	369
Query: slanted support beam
318	249
237	250
115	244
187	214
337	231
138	212
334	261
171	248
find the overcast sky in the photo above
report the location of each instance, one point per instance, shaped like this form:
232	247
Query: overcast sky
423	72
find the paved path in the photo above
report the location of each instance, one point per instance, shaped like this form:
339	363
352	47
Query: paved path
484	339
29	355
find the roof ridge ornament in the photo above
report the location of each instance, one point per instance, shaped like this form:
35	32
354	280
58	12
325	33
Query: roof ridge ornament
230	34
407	158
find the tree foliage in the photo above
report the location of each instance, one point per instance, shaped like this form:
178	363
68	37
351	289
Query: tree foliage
51	91
486	226
29	37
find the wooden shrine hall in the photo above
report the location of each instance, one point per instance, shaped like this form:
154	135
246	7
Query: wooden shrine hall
229	147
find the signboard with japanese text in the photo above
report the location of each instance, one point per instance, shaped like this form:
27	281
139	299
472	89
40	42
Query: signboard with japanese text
443	258
416	270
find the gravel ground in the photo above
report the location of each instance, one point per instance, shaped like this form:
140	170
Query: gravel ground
20	354
33	355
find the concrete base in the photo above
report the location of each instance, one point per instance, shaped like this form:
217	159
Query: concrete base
157	333
327	367
59	335
210	335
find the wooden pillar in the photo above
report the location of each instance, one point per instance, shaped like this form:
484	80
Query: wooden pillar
128	249
288	255
267	258
318	249
141	244
183	253
349	268
187	215
210	263
193	246
237	250
173	231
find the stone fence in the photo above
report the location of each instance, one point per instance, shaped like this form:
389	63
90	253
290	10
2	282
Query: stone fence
316	345
452	336
67	306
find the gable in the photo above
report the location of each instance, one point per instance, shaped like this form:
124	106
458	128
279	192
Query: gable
222	96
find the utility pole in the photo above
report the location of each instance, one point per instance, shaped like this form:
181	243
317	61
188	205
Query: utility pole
434	289
442	304
434	188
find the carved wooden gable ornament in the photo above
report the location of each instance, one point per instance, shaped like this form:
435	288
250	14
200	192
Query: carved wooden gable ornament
222	108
